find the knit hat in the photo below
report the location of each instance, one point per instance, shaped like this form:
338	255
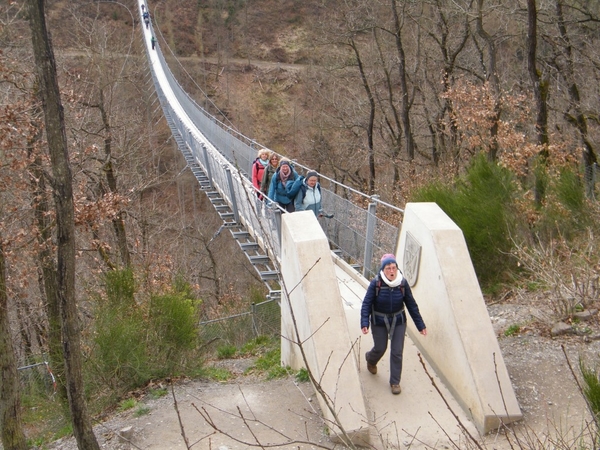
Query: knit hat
284	161
311	173
388	258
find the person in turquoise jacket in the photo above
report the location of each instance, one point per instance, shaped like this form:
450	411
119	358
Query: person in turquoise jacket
285	185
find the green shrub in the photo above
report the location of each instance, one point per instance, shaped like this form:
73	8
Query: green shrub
142	410
480	204
134	343
591	388
512	330
215	373
157	393
566	211
120	345
270	363
127	404
302	375
257	345
226	351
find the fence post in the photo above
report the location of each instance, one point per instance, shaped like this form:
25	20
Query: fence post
234	206
207	165
371	218
254	328
277	213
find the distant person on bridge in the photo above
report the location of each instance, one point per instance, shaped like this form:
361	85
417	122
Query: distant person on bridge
258	169
269	172
285	184
153	42
383	308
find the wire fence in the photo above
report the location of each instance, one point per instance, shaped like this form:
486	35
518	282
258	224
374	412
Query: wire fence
261	319
37	379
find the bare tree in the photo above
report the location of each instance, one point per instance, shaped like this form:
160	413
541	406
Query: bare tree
47	264
65	221
492	78
540	85
540	92
578	118
406	104
13	437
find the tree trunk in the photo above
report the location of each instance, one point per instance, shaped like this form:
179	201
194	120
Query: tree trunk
13	437
410	143
540	86
65	222
48	285
111	179
579	119
370	125
492	78
540	91
393	124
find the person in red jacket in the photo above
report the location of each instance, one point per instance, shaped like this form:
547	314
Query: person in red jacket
258	168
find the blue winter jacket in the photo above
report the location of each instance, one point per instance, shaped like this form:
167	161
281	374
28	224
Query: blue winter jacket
285	194
390	301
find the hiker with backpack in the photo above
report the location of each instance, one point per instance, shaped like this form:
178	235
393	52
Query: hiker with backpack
384	309
258	168
285	185
269	172
309	196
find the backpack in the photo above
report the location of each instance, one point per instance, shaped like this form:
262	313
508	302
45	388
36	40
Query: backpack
255	167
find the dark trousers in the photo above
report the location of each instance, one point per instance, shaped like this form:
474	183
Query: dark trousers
380	343
289	207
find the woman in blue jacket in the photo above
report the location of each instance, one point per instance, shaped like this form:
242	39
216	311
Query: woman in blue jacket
285	184
384	308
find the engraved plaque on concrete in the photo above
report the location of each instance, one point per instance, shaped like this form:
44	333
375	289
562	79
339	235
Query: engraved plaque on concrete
412	256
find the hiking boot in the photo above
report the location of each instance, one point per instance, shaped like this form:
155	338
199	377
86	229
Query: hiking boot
396	389
371	367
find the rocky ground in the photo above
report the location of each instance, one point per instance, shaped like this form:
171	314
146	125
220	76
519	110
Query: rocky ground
249	410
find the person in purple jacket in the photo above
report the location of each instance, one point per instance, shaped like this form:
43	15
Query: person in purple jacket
384	309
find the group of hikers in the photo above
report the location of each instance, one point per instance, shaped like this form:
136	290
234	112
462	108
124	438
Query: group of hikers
276	178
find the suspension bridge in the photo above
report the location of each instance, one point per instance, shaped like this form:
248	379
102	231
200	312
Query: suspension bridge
319	271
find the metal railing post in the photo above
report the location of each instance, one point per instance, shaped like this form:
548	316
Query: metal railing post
207	165
277	213
234	206
371	218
